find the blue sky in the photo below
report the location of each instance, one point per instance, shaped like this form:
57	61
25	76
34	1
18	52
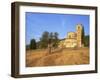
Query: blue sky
37	23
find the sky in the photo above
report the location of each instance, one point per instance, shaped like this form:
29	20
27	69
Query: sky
37	23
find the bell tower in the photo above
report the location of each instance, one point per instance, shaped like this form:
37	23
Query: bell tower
80	35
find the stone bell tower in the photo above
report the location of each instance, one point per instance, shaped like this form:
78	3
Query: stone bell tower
80	35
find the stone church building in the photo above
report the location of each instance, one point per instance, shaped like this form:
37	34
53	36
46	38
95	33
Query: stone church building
74	39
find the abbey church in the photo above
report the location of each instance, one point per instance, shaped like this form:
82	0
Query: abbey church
74	39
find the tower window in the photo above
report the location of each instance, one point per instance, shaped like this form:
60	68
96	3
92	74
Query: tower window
78	27
69	36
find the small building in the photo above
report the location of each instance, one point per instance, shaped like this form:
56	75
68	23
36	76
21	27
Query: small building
74	39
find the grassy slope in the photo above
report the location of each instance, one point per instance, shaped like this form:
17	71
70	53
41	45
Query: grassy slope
58	57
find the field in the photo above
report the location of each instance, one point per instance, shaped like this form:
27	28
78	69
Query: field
59	57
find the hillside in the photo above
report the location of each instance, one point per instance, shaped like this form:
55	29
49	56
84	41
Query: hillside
57	57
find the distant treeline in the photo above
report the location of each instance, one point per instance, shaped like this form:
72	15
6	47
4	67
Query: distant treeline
46	38
50	38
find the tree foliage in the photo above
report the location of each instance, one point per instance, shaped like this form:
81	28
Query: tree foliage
83	35
86	41
44	40
56	39
33	44
48	38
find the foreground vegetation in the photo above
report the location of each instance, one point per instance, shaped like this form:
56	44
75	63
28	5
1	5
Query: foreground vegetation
40	57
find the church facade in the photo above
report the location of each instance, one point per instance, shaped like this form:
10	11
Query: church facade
74	39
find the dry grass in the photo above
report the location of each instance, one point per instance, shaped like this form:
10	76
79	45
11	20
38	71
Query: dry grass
58	57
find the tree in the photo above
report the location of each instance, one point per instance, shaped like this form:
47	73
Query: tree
44	40
49	39
38	45
83	35
33	44
56	39
86	41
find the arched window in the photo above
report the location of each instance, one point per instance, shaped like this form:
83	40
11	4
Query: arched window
78	27
69	36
